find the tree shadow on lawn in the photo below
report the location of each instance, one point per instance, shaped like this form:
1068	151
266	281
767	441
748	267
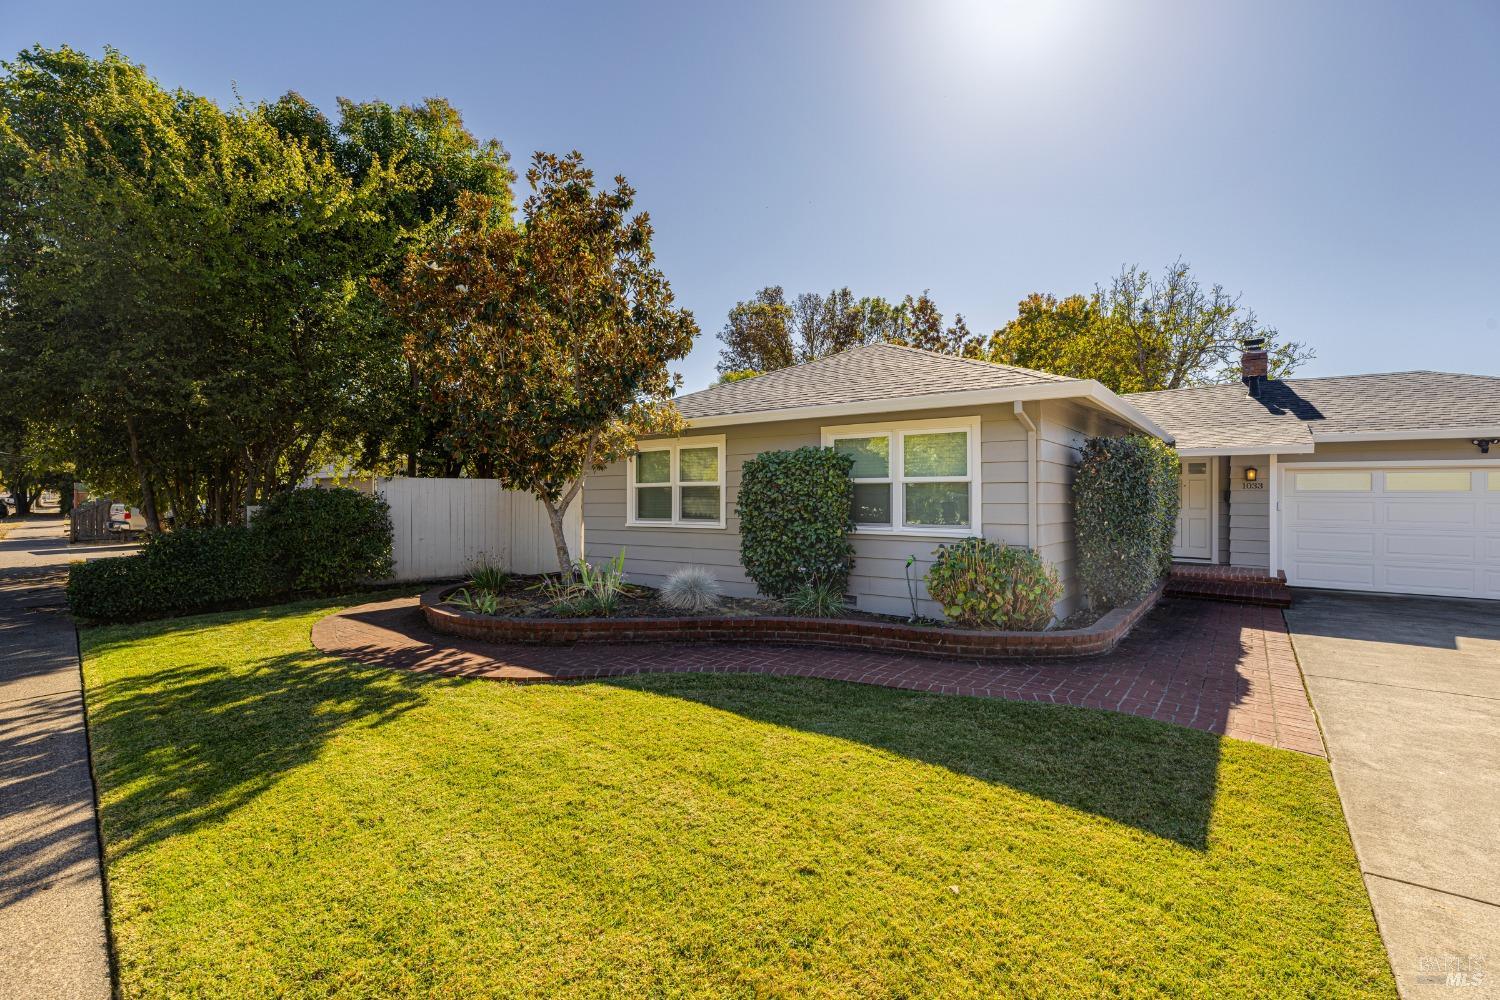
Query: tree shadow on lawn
181	747
190	744
1159	778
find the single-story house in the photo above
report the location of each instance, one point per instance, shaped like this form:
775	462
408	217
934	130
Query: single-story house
1384	483
944	448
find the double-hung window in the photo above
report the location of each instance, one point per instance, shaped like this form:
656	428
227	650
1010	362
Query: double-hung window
917	477
677	484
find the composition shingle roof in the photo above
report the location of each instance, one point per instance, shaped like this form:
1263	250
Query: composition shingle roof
1296	412
859	375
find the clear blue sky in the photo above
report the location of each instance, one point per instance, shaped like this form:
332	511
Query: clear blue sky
1337	163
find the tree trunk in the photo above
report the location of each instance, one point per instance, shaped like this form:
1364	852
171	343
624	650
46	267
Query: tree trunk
148	492
21	493
555	514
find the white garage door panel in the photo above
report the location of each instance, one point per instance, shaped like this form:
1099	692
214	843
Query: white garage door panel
1396	540
1334	542
1458	515
1428	579
1431	546
1316	574
1337	512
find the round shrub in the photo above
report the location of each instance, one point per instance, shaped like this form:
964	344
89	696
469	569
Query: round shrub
1124	517
984	585
327	540
795	517
691	588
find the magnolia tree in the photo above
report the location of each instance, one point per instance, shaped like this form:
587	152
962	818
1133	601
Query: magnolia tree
545	343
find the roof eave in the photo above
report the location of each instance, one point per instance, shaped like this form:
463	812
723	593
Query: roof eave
1070	389
1247	449
1420	434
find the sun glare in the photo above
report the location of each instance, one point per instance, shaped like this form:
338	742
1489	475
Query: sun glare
994	31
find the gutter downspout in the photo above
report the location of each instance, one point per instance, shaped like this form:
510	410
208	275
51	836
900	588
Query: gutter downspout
1032	542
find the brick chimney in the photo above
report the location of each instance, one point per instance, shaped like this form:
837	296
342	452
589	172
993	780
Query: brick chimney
1253	365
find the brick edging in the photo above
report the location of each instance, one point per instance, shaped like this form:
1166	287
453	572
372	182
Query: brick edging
838	633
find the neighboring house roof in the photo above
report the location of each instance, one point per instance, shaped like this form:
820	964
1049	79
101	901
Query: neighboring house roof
886	377
1293	415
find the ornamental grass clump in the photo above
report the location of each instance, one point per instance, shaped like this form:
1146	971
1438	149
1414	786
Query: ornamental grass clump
795	510
692	589
1124	517
984	585
594	591
817	600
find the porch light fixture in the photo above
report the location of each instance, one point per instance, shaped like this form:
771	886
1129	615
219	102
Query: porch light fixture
1251	473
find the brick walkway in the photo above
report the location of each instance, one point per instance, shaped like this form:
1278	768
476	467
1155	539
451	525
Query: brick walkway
1224	668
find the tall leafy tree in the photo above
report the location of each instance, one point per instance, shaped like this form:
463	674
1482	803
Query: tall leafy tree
185	290
547	343
918	323
1142	333
758	335
766	332
440	159
179	280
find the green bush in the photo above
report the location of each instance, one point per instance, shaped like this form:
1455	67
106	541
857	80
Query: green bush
984	585
795	517
1125	517
327	540
194	569
306	540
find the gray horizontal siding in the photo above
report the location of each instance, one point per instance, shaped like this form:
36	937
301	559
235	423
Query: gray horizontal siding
879	578
1249	514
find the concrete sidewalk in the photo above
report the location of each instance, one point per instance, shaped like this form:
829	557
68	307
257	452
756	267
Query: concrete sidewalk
52	936
1408	692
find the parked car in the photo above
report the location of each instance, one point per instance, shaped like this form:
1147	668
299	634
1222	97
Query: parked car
125	519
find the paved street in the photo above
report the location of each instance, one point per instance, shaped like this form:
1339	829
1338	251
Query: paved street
1408	693
52	938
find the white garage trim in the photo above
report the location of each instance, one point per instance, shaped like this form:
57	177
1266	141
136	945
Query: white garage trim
1273	521
1430	463
1384	563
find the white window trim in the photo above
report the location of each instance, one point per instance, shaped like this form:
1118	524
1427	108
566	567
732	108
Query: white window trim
674	481
896	431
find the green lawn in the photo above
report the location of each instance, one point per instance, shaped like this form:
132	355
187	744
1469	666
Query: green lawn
282	824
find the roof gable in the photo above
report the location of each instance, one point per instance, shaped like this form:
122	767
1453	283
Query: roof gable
871	374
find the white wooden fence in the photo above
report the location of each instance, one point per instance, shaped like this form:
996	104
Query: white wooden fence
442	526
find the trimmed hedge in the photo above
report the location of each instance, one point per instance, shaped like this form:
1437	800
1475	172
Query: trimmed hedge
795	510
320	540
193	569
1124	517
315	540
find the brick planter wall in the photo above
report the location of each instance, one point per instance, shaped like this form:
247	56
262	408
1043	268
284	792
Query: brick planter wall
839	633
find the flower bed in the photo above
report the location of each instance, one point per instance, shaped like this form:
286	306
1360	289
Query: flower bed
868	633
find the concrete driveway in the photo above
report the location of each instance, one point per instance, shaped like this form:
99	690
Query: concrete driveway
1408	693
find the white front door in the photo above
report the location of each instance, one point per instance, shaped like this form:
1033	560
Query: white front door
1195	514
1401	529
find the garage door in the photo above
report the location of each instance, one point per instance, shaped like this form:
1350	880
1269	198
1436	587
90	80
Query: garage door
1395	530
